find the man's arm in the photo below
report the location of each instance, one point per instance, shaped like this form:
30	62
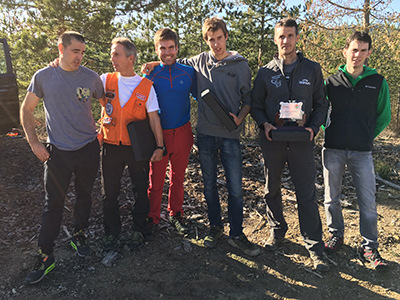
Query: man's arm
383	111
158	134
147	68
257	111
245	91
28	123
244	111
319	104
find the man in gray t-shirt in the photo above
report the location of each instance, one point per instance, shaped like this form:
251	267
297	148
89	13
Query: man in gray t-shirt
72	145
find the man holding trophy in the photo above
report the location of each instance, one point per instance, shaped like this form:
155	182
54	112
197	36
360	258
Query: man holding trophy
289	105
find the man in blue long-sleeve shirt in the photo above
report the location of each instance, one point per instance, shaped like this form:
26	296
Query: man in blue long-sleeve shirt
173	83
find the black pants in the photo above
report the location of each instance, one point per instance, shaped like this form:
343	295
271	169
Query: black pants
114	160
58	170
300	159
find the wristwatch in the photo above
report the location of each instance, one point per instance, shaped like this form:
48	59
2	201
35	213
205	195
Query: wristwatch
163	148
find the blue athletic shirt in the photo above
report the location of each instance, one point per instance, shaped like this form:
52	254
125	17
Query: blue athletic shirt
173	85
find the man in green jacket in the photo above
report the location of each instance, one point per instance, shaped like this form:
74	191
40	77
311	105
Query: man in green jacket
359	111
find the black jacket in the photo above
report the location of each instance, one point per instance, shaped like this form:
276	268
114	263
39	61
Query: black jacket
306	84
353	116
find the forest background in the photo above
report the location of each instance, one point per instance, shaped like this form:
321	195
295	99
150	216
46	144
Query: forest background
32	27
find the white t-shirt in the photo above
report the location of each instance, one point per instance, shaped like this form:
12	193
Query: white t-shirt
126	85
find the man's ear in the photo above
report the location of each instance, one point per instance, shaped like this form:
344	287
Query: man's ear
60	48
344	52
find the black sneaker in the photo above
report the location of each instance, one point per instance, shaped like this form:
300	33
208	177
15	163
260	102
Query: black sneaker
109	242
44	264
333	244
80	244
137	240
210	240
179	223
273	242
319	263
244	244
373	258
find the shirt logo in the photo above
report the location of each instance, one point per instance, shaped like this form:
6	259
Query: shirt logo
141	96
110	95
82	94
231	74
304	81
370	87
109	108
275	80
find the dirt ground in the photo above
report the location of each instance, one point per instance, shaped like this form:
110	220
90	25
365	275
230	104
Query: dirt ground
174	267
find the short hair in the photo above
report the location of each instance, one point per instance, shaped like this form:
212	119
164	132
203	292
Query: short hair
66	37
165	34
360	36
288	22
212	25
129	47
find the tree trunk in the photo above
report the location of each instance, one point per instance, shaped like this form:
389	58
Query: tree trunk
366	13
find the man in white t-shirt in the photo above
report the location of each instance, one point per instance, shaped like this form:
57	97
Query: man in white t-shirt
128	97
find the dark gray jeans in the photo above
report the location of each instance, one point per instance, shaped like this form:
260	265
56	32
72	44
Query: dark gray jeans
300	159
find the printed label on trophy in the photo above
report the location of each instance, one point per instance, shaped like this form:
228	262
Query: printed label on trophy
291	110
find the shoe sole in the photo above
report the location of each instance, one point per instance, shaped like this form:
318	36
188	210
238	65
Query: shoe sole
210	244
273	248
80	254
371	264
254	252
48	270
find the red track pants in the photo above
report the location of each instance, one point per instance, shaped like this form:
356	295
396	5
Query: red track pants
178	141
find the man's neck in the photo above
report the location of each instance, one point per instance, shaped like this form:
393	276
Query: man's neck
288	59
63	66
354	72
129	73
222	56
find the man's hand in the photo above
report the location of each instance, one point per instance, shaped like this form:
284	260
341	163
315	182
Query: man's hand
267	128
157	155
54	63
147	68
40	151
311	133
236	119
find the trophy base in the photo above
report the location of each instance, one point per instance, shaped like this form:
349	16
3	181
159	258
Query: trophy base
290	134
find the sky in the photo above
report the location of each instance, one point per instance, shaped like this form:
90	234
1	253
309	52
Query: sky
395	5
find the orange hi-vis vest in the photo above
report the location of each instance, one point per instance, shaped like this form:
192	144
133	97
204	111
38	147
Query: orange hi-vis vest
116	118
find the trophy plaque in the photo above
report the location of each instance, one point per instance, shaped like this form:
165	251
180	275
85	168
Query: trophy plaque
290	123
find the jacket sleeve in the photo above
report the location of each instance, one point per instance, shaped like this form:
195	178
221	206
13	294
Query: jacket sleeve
320	103
383	111
191	61
193	88
245	89
258	95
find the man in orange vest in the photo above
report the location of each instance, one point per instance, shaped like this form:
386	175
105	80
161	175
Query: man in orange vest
128	98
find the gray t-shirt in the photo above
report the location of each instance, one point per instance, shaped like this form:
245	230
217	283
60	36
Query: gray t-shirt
288	69
67	104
